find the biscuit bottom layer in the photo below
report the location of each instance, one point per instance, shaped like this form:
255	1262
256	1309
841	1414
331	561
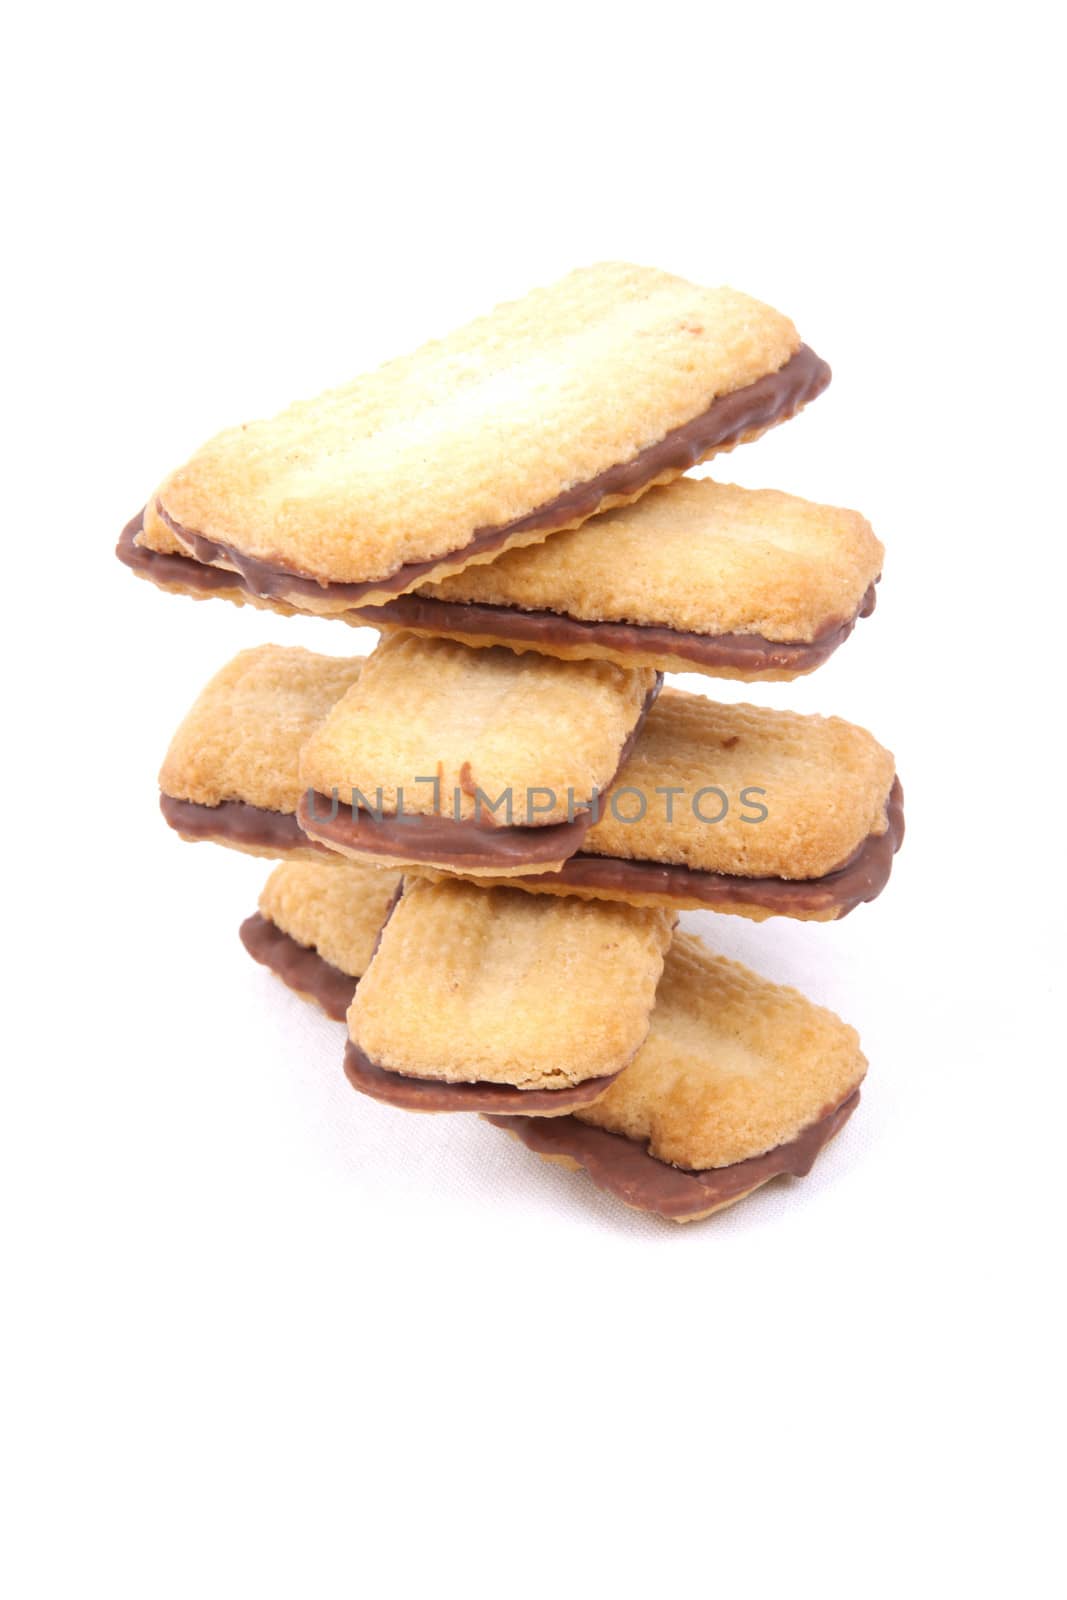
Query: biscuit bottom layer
861	878
436	1094
301	968
234	822
728	420
749	653
447	842
625	1168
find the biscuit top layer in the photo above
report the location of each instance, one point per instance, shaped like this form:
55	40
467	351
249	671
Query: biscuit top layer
697	556
497	986
242	738
405	463
826	784
732	1066
336	908
476	719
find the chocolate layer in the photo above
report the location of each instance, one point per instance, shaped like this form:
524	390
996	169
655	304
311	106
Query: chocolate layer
469	843
172	569
729	419
302	969
547	630
439	840
859	879
626	1169
434	1094
234	822
738	652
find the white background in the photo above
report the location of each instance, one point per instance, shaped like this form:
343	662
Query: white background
266	1338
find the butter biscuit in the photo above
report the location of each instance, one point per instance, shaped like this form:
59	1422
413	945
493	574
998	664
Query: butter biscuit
695	576
738	1081
482	760
487	999
231	773
318	925
591	391
742	809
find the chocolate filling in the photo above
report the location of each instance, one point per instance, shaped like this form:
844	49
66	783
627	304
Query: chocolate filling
739	652
546	630
435	1094
302	969
773	398
235	822
625	1168
859	879
172	569
470	842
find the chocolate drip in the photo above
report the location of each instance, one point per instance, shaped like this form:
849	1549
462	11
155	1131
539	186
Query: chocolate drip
727	421
625	1168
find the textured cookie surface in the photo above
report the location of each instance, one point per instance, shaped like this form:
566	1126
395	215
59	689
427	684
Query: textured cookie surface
732	1066
404	464
825	783
699	556
496	986
335	908
485	720
241	739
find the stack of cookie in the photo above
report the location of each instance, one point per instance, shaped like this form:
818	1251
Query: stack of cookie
489	826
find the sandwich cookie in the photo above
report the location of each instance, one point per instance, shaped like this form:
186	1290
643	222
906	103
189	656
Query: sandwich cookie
739	1081
231	774
318	925
695	577
491	1000
742	809
590	391
481	761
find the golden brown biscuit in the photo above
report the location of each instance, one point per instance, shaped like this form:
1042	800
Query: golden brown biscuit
318	925
231	773
737	583
590	390
481	999
744	809
480	759
738	1081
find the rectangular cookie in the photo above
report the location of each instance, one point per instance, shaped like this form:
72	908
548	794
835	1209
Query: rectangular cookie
479	760
738	1081
577	398
318	925
491	1000
742	809
231	773
695	576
